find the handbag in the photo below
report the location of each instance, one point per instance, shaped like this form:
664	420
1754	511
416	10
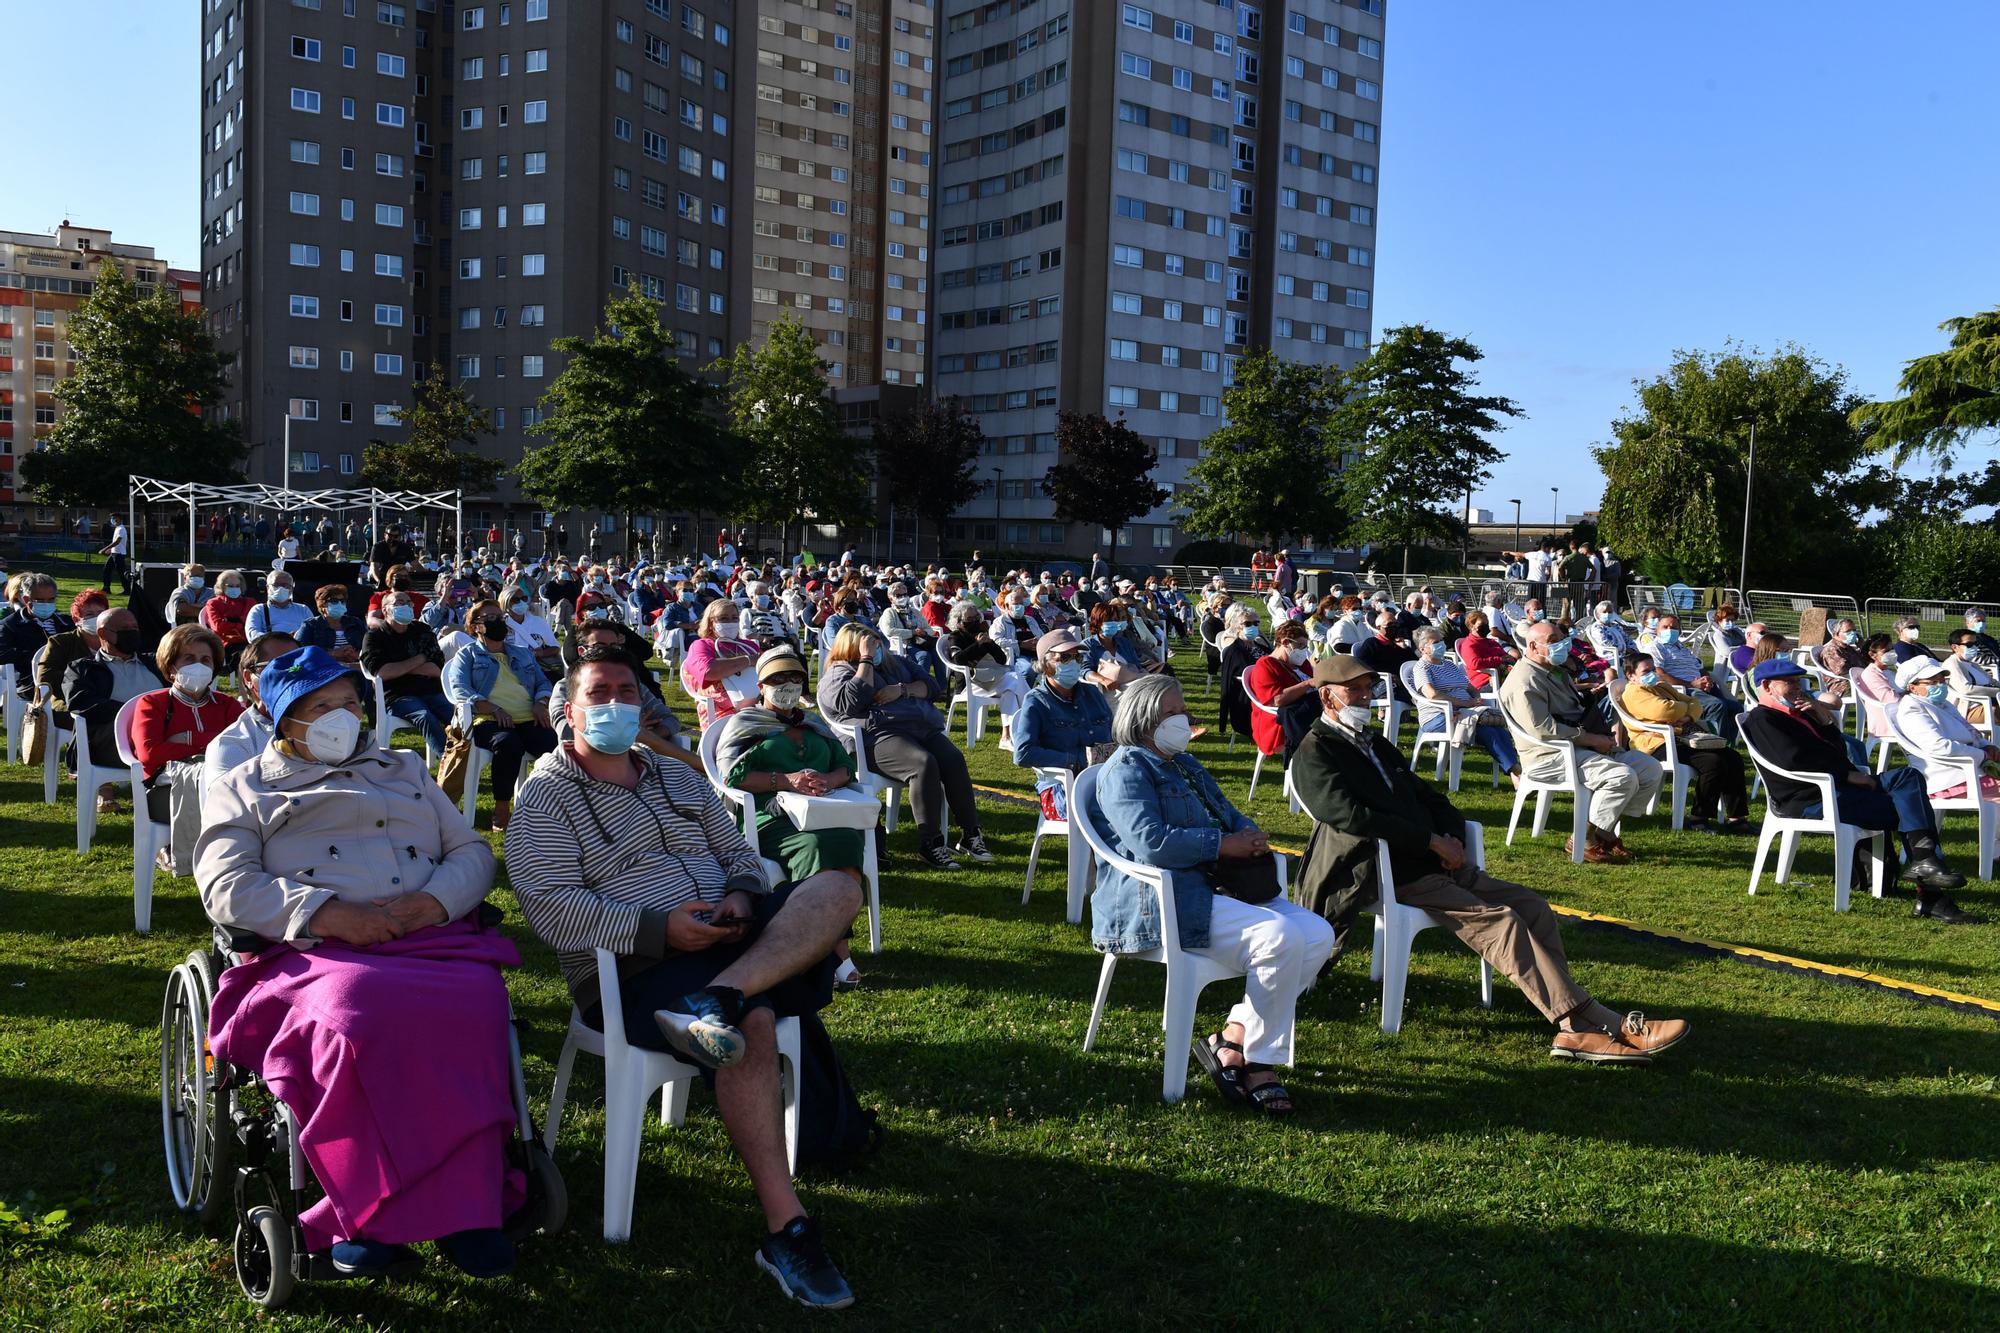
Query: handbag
845	808
457	759
1704	740
1249	879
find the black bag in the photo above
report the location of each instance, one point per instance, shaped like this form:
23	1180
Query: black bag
1250	879
835	1130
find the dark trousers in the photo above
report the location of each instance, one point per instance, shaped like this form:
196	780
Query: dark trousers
934	770
509	748
114	572
431	712
1718	783
1898	801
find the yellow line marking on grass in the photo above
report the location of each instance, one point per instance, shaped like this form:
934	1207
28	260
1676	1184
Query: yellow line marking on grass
1742	951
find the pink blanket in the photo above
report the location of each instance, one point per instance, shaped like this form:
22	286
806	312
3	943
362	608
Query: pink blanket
393	1057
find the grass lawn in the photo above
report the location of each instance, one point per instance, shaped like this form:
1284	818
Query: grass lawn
1814	1153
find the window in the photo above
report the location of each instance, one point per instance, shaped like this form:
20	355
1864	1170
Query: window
533	215
469	219
534	113
388	215
468	367
388	363
305	358
1122	395
532	266
1135	17
1124	349
388	266
305	256
535	11
471	117
534	164
531	367
1128	256
392	66
305	307
473	19
388	113
1370	91
305	99
538	62
305	205
388	414
305	48
389	316
388	164
471	168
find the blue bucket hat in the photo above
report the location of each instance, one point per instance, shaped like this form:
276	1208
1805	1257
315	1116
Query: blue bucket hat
1778	668
292	676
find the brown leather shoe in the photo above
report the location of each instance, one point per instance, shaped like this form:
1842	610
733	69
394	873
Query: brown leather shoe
1634	1042
1593	853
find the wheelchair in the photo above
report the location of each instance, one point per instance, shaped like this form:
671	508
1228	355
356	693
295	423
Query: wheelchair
233	1152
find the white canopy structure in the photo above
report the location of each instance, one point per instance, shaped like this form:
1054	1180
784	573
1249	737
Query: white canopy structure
151	490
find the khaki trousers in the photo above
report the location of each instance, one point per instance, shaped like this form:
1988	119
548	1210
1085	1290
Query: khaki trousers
1510	926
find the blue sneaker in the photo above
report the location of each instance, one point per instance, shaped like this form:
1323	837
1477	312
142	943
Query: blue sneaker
485	1252
796	1257
374	1258
704	1028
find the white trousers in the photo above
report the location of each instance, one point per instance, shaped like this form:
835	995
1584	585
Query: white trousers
1279	947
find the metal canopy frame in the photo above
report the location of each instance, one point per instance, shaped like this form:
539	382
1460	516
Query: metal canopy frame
152	490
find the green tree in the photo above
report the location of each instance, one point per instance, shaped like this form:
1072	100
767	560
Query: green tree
146	370
428	458
928	457
802	468
1106	477
1948	397
629	431
1677	467
1270	472
1412	432
1939	558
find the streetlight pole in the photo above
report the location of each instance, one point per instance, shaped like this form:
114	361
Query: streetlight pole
1555	506
1517	523
285	482
1749	479
1465	547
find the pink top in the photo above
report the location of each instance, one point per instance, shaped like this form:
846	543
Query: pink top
713	701
1878	694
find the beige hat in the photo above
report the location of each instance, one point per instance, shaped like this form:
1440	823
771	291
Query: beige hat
777	661
1340	669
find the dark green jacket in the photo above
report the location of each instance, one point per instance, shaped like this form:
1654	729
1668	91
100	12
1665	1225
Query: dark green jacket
1352	808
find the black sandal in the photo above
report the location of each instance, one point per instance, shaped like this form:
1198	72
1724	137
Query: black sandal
1267	1098
1228	1079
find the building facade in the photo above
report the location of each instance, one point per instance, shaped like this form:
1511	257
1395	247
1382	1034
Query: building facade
43	279
393	186
1132	196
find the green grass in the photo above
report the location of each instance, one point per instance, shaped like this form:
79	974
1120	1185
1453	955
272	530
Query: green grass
1815	1153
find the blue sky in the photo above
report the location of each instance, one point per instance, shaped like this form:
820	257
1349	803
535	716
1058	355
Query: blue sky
1578	187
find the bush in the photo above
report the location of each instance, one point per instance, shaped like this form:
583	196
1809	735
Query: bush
1939	560
1207	552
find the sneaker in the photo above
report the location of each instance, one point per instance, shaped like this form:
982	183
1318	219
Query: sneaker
702	1030
373	1258
939	857
975	848
796	1257
484	1252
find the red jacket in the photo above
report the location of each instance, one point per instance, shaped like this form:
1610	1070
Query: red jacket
1271	674
158	715
225	615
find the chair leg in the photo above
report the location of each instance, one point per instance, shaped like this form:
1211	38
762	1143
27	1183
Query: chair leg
1485	984
1879	855
1680	797
1764	837
1844	844
1034	854
1081	867
1255	770
142	877
560	1093
1457	764
1375	949
1395	974
1541	813
871	870
1787	849
1988	816
789	1044
1103	994
1520	799
624	1113
1178	1023
674	1101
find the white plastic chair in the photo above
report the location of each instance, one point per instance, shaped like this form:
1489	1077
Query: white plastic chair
387	724
1963	770
1079	863
1257	768
476	765
1787	828
869	780
1187	973
1391	708
631	1073
744	805
1397	926
147	836
12	711
1681	773
1571	786
52	740
93	772
1822	682
976	700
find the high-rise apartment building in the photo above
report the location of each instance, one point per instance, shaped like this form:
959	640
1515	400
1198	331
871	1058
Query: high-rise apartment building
1132	196
43	279
392	185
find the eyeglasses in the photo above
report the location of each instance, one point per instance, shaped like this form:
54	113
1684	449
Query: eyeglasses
1060	658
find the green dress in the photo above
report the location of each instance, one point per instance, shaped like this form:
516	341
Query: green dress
801	853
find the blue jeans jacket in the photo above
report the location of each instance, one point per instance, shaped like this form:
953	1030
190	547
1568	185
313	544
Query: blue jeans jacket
1053	732
469	675
1148	808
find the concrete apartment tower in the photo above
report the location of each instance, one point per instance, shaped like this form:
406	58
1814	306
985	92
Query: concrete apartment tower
390	185
1132	196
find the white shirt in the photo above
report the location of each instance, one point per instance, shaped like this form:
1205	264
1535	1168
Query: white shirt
530	632
118	538
1931	733
1541	566
288	549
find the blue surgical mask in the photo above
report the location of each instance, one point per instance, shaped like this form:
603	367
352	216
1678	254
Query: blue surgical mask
1670	636
1976	626
1559	652
1112	628
402	615
196	581
1937	693
876	656
1435	651
337	610
43	610
610	728
1535	615
1069	673
1355	615
1649	678
280	595
1851	638
597	613
1726	625
1251	631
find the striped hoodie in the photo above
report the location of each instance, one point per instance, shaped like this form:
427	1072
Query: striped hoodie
599	867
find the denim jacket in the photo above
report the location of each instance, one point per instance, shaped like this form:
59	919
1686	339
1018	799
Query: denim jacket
469	675
1053	732
1148	808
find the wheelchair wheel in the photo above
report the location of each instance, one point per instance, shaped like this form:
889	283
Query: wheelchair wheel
264	1257
547	1206
185	1085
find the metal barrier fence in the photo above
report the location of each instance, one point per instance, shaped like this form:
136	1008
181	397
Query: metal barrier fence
1780	611
1938	619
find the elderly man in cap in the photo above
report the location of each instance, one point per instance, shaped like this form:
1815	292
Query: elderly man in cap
1542	704
1791	733
1359	790
1060	719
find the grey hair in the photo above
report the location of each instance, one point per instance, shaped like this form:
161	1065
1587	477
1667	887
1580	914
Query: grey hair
1972	611
1141	708
1429	634
962	610
1847	621
1907	622
1605	608
1232	621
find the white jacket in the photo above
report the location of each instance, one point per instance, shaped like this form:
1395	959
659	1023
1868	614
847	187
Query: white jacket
1931	733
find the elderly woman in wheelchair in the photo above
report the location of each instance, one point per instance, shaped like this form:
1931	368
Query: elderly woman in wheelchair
366	1000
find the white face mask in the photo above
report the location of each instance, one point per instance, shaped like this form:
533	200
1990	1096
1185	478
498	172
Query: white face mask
786	697
1174	735
727	629
1356	717
194	678
89	623
333	735
1297	655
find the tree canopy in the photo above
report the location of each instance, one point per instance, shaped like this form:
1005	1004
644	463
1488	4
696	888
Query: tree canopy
1106	476
442	418
1271	472
802	468
1948	397
928	459
1676	467
628	429
135	400
1412	432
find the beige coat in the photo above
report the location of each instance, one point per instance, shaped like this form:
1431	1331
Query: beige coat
1540	704
280	836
